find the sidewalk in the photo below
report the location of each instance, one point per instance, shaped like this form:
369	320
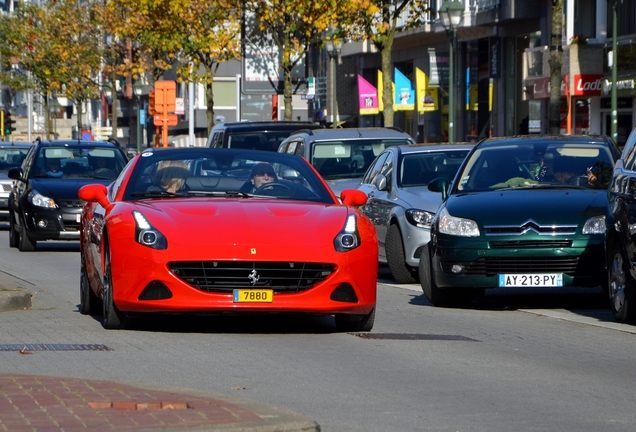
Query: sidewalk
38	402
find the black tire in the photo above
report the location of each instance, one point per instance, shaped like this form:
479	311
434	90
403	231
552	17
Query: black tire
112	318
13	236
25	244
89	303
355	323
449	297
401	272
622	287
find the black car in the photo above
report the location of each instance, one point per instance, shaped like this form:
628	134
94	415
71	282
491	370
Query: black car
11	156
43	204
620	250
257	135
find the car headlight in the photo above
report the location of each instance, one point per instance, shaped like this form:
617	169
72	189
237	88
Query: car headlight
457	226
349	238
146	234
419	218
37	199
595	225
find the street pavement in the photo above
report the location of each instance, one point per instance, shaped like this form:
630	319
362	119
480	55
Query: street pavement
55	403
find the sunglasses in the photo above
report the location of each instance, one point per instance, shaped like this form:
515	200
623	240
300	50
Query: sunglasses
262	173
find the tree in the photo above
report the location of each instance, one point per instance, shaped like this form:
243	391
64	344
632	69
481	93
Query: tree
556	62
376	20
51	48
187	34
292	26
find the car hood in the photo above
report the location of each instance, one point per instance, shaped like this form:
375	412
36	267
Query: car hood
66	188
246	220
544	206
420	198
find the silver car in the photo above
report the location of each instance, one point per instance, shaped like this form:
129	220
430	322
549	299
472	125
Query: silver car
11	156
399	203
341	156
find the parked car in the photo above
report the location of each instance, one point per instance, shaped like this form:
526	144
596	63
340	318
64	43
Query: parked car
620	235
200	244
399	203
341	156
256	135
11	156
43	204
522	212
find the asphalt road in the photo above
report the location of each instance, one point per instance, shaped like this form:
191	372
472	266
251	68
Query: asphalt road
543	360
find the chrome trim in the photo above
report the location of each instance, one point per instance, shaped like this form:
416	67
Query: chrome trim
530	225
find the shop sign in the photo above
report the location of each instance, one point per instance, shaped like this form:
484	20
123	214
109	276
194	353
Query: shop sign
587	85
494	57
624	86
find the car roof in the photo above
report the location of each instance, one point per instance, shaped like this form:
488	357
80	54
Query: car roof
267	125
432	147
57	143
15	144
562	139
353	133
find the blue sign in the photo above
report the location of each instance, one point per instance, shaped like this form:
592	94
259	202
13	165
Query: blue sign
87	135
142	117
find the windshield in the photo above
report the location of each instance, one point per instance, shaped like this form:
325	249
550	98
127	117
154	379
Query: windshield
348	159
12	158
418	169
541	164
216	172
79	162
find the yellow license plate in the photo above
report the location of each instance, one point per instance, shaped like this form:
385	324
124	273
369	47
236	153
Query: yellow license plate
253	296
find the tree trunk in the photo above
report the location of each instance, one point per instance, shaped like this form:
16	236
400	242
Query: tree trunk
287	93
556	61
387	88
209	97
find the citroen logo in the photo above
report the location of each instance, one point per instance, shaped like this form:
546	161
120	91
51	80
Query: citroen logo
253	277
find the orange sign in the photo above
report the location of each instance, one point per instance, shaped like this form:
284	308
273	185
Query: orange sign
165	96
171	120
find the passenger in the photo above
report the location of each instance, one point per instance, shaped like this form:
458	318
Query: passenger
54	167
170	177
261	174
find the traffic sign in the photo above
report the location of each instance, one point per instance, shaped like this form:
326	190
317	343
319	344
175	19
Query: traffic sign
165	96
171	120
87	135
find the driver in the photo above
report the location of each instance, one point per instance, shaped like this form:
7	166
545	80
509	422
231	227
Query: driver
53	167
262	174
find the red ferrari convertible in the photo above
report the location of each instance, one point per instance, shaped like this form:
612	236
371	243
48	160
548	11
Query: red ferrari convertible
220	230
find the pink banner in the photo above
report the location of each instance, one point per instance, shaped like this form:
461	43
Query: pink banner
368	97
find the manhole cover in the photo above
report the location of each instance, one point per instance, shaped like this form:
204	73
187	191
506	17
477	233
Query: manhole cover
54	347
412	336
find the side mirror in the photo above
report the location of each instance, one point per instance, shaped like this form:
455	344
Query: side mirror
15	173
353	197
380	182
95	192
439	184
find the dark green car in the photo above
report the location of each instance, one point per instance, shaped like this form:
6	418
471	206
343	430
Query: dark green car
522	212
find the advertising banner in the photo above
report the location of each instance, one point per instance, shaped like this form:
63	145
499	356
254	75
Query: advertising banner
368	97
426	96
404	97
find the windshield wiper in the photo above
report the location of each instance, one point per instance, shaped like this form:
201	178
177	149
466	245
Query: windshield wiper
218	193
156	194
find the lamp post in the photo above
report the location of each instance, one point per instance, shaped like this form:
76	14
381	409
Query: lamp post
614	92
333	47
138	89
451	14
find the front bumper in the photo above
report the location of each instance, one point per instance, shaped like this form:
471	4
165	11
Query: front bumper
582	264
53	224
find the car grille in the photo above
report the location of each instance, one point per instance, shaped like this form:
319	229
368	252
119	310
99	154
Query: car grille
225	276
491	266
529	244
530	225
72	203
6	187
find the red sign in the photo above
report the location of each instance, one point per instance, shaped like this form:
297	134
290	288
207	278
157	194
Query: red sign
165	96
587	85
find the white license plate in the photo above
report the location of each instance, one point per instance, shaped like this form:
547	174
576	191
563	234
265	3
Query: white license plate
531	280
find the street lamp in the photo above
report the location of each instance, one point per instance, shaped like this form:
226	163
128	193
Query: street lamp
138	88
451	14
333	46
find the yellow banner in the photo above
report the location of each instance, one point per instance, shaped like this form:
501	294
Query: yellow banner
426	97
